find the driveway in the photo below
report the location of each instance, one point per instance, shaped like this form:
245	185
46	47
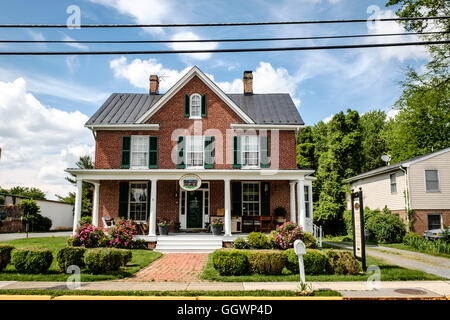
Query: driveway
14	236
407	259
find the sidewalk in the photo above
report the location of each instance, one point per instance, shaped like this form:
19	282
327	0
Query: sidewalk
22	235
356	289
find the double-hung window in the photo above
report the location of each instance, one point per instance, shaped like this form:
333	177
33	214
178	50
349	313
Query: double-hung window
250	151
251	198
393	179
138	201
307	203
431	180
194	151
196	106
139	152
434	221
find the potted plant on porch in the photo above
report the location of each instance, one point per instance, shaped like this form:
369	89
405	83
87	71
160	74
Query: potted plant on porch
217	227
163	226
280	214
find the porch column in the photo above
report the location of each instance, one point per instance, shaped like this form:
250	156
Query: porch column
227	208
96	204
152	223
301	203
77	213
292	200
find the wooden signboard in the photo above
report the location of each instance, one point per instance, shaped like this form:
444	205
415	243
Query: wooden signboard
359	246
220	212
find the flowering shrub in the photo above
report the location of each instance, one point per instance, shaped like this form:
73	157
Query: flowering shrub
286	234
89	236
122	234
217	222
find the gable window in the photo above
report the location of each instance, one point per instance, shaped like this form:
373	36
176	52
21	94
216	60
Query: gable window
431	180
138	202
139	152
434	221
250	199
250	151
393	178
196	106
194	151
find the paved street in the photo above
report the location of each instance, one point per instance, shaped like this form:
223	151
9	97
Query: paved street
13	236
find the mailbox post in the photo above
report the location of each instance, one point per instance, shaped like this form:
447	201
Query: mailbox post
300	250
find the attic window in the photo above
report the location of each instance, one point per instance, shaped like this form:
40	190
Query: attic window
196	106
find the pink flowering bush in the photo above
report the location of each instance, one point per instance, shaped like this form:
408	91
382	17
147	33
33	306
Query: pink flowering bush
88	236
286	234
122	234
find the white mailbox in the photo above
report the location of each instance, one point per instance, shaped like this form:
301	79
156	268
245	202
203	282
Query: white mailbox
300	250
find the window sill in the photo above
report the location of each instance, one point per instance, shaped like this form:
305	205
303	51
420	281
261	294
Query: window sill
195	118
251	167
433	191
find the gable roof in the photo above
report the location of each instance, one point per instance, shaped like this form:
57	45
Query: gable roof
396	166
135	108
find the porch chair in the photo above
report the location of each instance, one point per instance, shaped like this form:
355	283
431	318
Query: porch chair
108	222
266	224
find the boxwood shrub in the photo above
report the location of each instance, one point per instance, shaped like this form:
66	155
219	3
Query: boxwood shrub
68	256
257	240
314	261
5	255
266	261
309	240
240	243
127	256
31	260
103	260
231	262
342	262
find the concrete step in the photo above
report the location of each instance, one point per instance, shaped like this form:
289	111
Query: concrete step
185	250
188	244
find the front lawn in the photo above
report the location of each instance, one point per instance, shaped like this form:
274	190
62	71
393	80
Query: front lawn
388	273
141	259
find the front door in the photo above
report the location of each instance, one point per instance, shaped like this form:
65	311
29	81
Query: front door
194	212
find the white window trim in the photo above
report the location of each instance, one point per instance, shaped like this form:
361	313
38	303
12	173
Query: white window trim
259	153
259	198
183	215
187	149
147	203
390	182
438	180
308	212
190	106
131	152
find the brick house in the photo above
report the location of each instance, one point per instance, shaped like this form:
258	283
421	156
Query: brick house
195	154
420	184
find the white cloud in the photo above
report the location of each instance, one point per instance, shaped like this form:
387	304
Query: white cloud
188	35
38	142
328	119
392	114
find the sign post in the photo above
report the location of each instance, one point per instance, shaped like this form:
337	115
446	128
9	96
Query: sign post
300	250
359	245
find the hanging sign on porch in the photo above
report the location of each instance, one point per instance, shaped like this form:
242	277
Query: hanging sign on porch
190	182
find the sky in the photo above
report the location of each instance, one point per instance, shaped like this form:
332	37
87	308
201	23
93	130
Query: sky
45	100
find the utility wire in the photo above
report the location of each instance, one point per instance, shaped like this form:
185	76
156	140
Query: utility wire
228	24
228	40
376	45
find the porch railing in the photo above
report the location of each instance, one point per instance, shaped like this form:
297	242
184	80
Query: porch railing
317	233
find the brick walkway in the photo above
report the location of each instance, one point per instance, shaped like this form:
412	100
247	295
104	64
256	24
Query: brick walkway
174	267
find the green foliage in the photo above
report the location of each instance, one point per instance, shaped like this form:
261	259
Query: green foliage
348	221
5	255
32	260
127	256
314	262
410	236
68	256
26	192
266	261
306	149
89	236
257	240
86	220
431	246
309	240
373	142
103	260
286	234
240	243
139	244
231	262
342	262
386	227
272	240
280	212
29	207
31	214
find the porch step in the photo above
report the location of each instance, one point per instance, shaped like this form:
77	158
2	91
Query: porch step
188	244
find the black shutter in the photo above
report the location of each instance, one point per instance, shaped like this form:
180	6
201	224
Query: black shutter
204	106
126	152
186	106
209	152
181	164
265	198
153	152
236	198
123	199
236	152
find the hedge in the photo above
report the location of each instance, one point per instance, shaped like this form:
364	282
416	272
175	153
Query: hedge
68	256
266	261
342	262
231	262
314	262
5	255
32	260
103	260
127	256
257	240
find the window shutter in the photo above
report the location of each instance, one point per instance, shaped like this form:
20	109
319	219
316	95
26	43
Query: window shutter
149	186
236	198
204	106
123	199
153	152
186	106
265	198
236	152
181	163
209	152
126	152
264	151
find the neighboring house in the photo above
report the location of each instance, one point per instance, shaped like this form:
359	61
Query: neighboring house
421	184
60	213
195	154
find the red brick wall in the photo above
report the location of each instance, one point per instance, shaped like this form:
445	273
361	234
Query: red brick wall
171	117
421	219
108	200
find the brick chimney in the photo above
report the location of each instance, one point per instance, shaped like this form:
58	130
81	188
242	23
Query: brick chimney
248	82
154	84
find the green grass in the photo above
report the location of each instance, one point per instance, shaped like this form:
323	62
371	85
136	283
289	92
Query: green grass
408	248
388	273
184	293
141	258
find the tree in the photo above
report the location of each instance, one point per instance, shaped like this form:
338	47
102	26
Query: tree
373	142
305	149
85	162
33	193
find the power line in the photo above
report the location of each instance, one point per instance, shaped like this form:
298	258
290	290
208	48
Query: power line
358	46
227	40
227	24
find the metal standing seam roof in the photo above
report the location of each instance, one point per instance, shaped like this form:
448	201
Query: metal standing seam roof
271	108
